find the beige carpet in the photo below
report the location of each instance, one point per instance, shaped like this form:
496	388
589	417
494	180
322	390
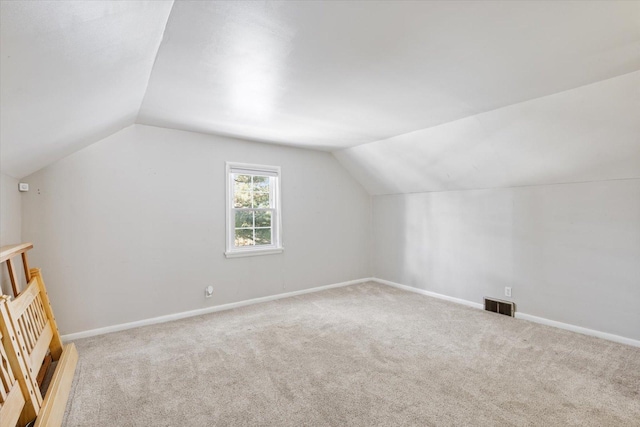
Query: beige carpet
363	355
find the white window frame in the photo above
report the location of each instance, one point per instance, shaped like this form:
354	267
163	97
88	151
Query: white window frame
276	222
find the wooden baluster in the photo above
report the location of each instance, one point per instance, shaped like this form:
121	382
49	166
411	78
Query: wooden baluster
6	376
56	342
14	278
25	265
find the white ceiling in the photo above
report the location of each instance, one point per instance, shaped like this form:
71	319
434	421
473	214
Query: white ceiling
591	133
71	73
324	75
338	74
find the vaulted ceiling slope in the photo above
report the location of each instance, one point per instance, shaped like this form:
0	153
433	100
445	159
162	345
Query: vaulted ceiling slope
326	75
71	73
591	133
338	74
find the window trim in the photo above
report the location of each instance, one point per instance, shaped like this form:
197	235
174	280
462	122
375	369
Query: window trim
276	247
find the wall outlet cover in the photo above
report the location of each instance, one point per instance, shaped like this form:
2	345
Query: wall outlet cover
208	291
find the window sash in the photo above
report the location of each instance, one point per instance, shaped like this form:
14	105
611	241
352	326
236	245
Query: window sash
254	172
273	173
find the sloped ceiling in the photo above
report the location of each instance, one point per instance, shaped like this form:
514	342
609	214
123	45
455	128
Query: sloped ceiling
337	74
71	73
591	133
328	75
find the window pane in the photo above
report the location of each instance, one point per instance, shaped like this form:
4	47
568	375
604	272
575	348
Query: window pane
242	199
260	200
244	219
263	219
244	237
242	183
263	236
253	203
261	184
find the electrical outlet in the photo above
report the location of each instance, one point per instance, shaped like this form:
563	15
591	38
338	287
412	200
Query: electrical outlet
208	292
507	291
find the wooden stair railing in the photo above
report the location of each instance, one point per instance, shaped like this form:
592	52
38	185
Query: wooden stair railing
29	333
7	253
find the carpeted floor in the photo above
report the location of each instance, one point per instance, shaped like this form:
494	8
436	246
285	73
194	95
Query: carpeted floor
363	355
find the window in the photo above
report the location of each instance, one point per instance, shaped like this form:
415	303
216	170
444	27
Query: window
253	210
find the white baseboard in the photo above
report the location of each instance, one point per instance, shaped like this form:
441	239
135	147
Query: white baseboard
428	293
192	313
579	329
518	315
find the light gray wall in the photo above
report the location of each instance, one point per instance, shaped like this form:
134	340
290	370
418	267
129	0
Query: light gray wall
570	252
133	227
10	210
10	221
542	196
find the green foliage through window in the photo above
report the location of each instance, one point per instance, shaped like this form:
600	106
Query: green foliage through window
252	205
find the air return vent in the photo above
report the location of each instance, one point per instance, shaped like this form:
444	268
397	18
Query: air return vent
499	306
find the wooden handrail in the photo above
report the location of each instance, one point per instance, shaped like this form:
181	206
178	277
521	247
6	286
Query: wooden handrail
6	255
9	251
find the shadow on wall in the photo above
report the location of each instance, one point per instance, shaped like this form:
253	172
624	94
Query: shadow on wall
569	251
456	243
5	285
5	281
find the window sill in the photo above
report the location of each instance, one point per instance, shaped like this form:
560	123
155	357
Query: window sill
253	252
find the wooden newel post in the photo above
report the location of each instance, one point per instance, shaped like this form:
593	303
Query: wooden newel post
56	343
